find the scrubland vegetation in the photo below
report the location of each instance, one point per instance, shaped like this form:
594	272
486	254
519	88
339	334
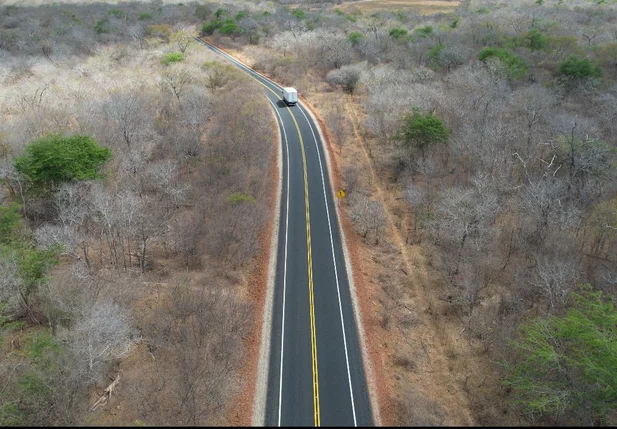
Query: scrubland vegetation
496	125
133	196
492	128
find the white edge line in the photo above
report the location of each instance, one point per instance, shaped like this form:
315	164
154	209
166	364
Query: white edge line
286	220
338	289
352	289
359	325
285	263
259	403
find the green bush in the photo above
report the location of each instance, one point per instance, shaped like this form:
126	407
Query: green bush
566	364
55	159
516	66
424	31
172	57
241	14
117	13
398	32
101	26
220	12
144	15
9	222
355	37
433	54
229	29
579	68
298	13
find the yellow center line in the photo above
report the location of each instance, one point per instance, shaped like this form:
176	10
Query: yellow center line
316	413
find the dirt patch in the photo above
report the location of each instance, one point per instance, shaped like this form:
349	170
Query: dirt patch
425	7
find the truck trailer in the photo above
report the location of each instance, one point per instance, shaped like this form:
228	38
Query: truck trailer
290	96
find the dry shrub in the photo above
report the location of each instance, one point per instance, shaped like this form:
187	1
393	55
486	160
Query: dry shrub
416	409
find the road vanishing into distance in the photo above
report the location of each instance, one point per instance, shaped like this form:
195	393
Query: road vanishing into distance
316	375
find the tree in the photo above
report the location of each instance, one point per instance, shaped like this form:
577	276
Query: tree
177	78
535	39
556	277
465	215
566	364
182	38
368	216
346	77
515	66
202	11
338	124
56	159
579	68
576	71
217	74
422	131
99	336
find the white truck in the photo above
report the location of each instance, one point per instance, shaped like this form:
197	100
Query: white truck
290	96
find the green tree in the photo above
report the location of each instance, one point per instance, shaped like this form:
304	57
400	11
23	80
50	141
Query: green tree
579	68
535	40
55	159
516	67
230	28
566	364
421	131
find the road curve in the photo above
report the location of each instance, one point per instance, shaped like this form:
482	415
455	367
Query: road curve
316	374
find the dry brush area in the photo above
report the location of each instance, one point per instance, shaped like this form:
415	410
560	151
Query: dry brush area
142	273
476	148
467	236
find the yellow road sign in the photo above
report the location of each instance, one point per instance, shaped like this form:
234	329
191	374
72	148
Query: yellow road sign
340	194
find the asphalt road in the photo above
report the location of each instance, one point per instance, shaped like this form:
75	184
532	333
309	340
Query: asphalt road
316	375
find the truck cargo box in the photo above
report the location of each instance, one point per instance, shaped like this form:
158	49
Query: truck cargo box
290	96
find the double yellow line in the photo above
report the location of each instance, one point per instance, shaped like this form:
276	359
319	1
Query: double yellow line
316	413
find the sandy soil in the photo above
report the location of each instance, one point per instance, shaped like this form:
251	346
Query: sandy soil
425	7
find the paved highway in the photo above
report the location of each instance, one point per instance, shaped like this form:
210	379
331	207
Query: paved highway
316	375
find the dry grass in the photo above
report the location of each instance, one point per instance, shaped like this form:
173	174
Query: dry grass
425	7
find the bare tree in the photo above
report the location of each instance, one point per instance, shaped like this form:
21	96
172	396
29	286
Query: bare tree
368	215
338	123
556	277
177	77
100	335
130	115
183	37
416	197
347	77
